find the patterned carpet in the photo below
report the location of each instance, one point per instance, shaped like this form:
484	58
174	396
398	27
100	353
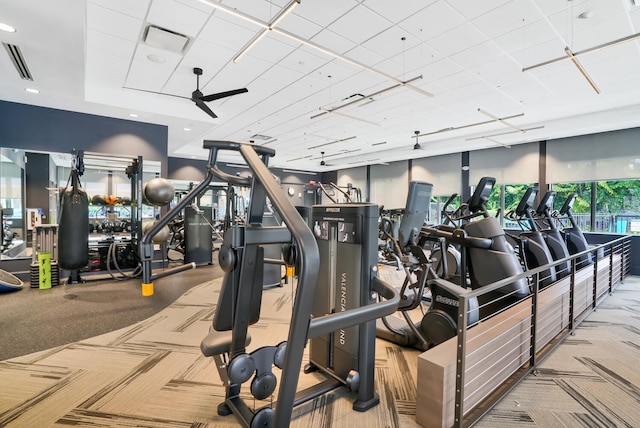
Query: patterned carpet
591	380
152	374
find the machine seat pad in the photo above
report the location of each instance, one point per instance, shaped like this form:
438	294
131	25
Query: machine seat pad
218	343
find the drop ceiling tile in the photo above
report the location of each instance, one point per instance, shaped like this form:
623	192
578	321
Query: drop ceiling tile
500	72
391	11
531	34
440	69
202	6
325	12
390	42
529	94
117	24
100	60
281	75
365	56
145	74
332	41
509	17
499	104
359	25
260	9
607	23
299	26
109	44
177	17
604	32
458	39
202	51
432	21
225	33
304	60
477	55
473	9
136	9
634	14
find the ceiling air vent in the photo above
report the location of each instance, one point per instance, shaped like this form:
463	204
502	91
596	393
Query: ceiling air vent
18	61
165	39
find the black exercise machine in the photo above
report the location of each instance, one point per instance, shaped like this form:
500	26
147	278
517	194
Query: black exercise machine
534	251
553	238
488	258
573	236
343	228
417	267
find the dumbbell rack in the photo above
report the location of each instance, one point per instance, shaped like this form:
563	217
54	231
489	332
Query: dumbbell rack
45	239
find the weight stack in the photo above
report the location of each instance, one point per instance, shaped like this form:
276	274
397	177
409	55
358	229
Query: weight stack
45	239
35	274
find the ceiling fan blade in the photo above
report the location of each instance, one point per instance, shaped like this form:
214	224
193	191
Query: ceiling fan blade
225	94
157	93
205	108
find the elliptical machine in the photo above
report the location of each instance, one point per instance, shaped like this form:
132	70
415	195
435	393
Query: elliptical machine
573	236
534	251
547	226
487	256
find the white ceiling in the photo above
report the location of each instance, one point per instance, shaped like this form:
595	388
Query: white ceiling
469	55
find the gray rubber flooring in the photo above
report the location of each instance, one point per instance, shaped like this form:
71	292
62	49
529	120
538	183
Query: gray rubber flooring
33	320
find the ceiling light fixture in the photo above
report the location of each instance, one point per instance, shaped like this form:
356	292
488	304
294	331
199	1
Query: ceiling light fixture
250	45
504	122
6	27
311	44
334	142
455	128
133	115
497	142
581	69
358	100
187	129
524	130
264	31
32	90
577	54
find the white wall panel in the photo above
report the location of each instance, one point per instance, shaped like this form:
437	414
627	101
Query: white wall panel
390	184
604	156
516	165
441	171
356	176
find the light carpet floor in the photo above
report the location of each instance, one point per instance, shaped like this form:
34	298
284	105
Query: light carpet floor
152	374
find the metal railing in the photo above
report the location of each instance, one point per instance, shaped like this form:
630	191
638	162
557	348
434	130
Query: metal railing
496	353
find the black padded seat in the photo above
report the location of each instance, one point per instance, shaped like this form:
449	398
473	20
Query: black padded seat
218	343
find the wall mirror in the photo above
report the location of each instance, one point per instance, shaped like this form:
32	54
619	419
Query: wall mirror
30	184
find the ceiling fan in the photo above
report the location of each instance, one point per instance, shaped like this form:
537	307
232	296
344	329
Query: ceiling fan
199	98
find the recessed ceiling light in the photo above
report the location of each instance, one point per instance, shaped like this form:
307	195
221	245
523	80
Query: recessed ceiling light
133	115
32	90
156	58
6	27
187	129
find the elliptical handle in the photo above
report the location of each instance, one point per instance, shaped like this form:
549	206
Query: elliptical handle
235	145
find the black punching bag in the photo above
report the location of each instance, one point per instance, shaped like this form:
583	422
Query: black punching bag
73	226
